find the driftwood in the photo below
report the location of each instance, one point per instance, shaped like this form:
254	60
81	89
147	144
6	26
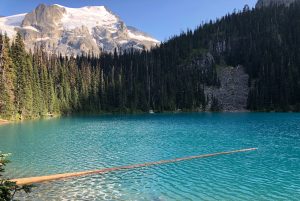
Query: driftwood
31	180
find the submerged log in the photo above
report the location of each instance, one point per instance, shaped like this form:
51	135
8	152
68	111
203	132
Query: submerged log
31	180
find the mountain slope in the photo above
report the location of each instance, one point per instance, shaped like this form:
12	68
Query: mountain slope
265	3
8	24
75	30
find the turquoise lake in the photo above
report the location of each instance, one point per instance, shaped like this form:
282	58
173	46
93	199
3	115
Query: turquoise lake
93	142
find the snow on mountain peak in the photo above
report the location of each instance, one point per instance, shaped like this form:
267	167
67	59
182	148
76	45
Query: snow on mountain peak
59	5
75	30
89	16
8	24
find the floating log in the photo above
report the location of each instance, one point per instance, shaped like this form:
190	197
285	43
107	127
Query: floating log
3	122
40	179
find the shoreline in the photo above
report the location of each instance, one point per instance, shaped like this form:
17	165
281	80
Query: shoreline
5	122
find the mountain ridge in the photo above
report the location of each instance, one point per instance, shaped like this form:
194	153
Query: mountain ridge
73	31
266	3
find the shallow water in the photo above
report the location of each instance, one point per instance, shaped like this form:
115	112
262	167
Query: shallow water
91	142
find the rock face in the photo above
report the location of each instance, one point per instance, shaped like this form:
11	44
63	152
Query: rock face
68	31
44	18
265	3
233	92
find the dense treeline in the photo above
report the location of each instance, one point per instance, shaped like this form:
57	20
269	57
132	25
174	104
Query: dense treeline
265	41
36	84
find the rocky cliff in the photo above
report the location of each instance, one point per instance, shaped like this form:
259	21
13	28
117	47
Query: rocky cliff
233	90
232	95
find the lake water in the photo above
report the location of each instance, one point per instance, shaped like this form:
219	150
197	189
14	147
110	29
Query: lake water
91	142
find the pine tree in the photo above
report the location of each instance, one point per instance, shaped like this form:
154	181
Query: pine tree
7	78
23	68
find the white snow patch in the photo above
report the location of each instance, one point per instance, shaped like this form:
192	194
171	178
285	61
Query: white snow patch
141	37
31	28
89	17
8	24
58	5
42	39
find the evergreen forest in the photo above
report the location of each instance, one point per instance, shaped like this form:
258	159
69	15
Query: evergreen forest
265	41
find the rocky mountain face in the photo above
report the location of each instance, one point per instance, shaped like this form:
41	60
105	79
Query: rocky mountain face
68	31
264	3
232	95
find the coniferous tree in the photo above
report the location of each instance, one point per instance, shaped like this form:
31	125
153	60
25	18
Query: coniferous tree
171	76
7	79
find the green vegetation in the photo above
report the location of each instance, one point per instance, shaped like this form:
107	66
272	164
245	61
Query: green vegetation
265	41
8	189
36	84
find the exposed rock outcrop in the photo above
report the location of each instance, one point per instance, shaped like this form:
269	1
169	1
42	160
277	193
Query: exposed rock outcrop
226	88
232	95
44	18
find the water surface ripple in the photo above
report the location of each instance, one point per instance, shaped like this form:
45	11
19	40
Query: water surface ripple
90	142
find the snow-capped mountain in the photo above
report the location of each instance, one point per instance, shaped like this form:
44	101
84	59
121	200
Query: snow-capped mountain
69	31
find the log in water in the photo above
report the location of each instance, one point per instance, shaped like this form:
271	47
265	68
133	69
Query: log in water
31	180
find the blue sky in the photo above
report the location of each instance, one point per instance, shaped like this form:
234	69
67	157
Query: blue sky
159	18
